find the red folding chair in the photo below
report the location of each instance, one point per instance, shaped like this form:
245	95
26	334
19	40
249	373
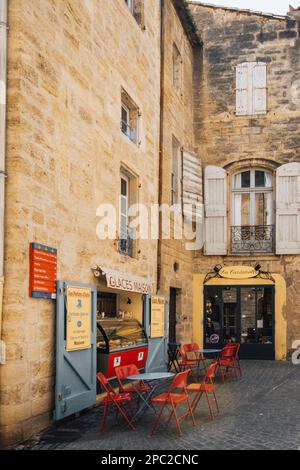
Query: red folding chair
191	358
123	372
119	400
207	387
174	400
227	362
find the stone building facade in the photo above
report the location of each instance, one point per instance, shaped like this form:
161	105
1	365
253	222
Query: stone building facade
134	100
264	140
175	262
68	65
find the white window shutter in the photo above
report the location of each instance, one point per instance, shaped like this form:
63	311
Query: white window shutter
288	209
215	191
259	80
192	197
242	90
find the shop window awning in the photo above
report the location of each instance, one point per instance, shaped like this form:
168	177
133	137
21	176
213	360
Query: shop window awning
123	281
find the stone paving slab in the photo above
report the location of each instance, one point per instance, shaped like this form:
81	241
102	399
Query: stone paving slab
259	411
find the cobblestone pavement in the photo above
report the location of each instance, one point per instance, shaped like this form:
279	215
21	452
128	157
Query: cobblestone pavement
259	411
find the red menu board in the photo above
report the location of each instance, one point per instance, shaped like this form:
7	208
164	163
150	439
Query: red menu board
43	271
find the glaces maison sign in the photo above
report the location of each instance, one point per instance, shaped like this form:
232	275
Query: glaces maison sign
238	272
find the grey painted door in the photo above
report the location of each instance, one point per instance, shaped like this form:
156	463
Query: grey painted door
75	387
157	354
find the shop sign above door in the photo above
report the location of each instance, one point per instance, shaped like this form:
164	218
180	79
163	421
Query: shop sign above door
43	271
238	272
122	281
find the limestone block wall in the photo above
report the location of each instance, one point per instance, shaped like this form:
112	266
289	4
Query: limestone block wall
222	138
178	117
68	61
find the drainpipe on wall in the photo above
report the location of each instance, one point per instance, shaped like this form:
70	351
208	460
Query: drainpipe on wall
161	140
3	93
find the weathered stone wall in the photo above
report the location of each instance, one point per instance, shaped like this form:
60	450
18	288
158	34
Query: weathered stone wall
67	63
222	138
177	122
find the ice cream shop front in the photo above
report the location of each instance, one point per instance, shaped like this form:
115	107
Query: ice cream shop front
241	304
114	322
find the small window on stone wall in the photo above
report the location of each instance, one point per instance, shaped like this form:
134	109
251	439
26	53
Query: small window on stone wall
177	69
137	9
129	118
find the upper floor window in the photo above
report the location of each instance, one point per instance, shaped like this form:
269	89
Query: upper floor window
252	211
251	89
137	9
126	234
259	198
129	118
177	69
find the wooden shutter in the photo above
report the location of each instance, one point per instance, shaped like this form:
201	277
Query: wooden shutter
259	80
288	209
242	90
192	186
215	190
251	88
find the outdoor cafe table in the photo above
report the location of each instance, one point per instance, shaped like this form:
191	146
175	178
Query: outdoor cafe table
153	380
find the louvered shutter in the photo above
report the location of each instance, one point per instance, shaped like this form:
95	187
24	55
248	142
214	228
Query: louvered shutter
288	209
192	193
259	81
242	90
215	190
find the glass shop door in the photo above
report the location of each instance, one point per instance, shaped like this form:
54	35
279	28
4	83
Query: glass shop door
240	314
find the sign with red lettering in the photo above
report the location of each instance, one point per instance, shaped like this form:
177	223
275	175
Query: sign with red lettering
43	271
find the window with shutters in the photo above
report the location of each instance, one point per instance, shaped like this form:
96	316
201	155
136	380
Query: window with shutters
251	89
176	172
137	9
252	212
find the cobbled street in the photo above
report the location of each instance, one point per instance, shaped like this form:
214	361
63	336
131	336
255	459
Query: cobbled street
259	411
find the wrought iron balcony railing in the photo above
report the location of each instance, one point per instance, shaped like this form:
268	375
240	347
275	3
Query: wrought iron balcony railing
253	239
126	242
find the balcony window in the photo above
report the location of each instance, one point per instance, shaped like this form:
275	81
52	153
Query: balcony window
252	212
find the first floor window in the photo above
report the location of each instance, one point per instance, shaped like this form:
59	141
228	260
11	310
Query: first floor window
126	234
253	198
252	211
130	116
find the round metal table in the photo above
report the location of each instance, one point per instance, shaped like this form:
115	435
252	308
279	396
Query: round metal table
149	378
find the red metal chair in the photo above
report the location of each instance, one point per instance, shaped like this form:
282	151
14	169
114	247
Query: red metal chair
191	358
123	372
119	400
174	400
207	387
227	361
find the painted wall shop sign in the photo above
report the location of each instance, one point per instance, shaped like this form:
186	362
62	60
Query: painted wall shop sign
43	271
238	272
78	318
157	317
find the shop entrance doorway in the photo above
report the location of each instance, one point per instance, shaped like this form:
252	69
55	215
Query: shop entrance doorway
172	315
243	314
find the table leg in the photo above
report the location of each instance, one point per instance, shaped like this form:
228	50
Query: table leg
146	402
